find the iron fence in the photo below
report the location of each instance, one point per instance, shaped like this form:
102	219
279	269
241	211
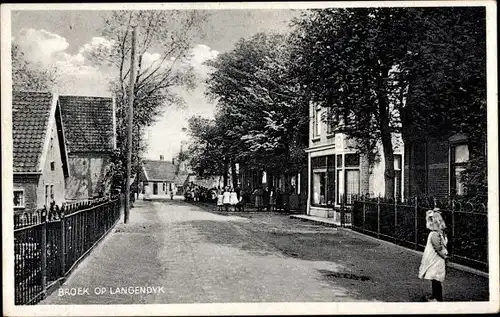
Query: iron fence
49	243
404	223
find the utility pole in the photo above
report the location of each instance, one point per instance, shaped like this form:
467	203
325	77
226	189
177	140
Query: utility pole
130	122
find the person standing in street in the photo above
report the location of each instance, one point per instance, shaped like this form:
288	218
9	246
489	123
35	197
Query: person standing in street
433	265
266	198
220	199
258	193
226	199
233	199
272	199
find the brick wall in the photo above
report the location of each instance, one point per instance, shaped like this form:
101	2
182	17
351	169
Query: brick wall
427	168
29	184
438	169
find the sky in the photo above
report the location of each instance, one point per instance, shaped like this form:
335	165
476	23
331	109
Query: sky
64	38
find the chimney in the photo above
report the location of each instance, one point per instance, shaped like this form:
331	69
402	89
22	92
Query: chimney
161	157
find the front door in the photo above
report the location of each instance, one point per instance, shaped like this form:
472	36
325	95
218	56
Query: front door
155	188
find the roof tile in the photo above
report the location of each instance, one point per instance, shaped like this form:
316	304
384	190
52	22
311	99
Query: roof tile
159	170
88	123
30	116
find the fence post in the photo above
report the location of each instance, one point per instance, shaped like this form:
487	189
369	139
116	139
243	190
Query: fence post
364	212
43	251
63	243
395	221
452	251
378	217
416	223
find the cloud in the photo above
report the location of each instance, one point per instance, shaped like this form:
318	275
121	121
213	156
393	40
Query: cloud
80	75
40	45
76	75
198	55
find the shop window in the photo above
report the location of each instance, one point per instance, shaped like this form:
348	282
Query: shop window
348	178
459	159
323	180
18	198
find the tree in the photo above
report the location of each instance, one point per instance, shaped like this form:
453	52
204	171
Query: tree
28	75
260	111
206	152
347	59
394	70
446	76
168	34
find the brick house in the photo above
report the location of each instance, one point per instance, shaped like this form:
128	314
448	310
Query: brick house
336	168
40	161
159	178
90	130
432	166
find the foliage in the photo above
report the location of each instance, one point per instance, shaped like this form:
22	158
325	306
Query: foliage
206	153
166	32
413	71
261	116
31	76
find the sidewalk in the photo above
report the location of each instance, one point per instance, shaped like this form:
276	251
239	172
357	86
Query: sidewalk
331	222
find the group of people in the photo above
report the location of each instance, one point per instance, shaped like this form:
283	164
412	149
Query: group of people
200	193
229	197
271	199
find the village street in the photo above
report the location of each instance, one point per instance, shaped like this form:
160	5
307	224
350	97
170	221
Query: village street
189	254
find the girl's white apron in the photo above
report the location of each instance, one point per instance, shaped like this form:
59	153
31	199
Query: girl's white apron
433	266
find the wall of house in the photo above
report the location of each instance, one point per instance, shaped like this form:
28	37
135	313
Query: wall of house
148	189
51	177
87	175
28	183
324	138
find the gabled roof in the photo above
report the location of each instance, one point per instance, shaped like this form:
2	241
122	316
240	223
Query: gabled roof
33	113
89	123
159	170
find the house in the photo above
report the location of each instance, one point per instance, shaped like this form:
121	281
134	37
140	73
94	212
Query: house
40	160
337	169
90	131
158	178
432	167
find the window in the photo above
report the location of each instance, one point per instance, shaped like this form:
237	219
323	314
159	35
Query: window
317	122
397	176
18	198
52	192
329	122
460	157
323	180
348	177
164	187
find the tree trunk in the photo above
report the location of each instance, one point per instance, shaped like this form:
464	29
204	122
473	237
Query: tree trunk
234	176
226	171
388	150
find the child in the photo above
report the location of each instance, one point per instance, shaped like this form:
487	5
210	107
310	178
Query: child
433	266
233	199
220	199
226	198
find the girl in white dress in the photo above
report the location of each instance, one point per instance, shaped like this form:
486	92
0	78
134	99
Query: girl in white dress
226	198
233	199
433	265
220	199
